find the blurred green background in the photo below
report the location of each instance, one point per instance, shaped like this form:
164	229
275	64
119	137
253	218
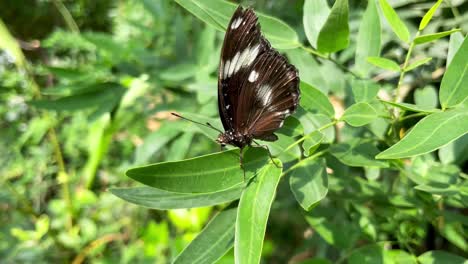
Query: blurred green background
105	75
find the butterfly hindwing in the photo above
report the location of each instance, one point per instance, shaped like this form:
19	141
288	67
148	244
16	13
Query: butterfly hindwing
269	94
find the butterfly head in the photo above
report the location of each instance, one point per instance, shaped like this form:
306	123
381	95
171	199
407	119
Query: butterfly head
233	138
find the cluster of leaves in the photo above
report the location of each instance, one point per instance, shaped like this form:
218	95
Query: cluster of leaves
371	165
73	112
375	180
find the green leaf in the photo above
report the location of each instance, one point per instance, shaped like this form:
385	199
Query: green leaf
397	256
454	86
179	72
370	254
292	127
312	122
384	63
208	132
455	152
214	240
218	13
277	148
398	27
334	35
108	96
440	257
357	153
412	107
157	140
438	188
204	174
307	67
429	134
315	101
431	37
416	64
426	97
178	149
456	40
369	38
312	142
309	182
364	90
252	215
164	200
315	15
359	114
428	16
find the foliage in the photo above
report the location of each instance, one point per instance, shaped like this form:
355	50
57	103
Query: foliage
372	163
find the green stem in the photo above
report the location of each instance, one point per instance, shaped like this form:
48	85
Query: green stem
316	155
71	24
62	177
308	135
413	115
403	69
329	58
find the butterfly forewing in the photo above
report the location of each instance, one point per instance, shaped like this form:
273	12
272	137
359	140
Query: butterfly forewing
257	87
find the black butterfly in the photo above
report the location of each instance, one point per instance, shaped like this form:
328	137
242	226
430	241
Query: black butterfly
257	87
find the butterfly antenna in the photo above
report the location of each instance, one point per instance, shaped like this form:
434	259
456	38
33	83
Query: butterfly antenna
193	121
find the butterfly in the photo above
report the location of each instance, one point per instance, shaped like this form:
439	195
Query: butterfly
257	87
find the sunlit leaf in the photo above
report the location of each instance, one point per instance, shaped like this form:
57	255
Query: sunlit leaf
454	86
314	100
164	200
357	153
416	64
217	13
429	134
359	114
214	240
334	35
368	39
309	182
252	215
364	90
428	16
204	174
440	257
384	63
315	15
398	27
431	37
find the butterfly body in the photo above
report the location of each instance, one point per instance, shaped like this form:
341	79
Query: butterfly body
257	87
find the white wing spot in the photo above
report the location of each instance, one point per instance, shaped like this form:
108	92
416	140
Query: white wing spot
226	69
233	66
253	76
265	93
227	107
236	23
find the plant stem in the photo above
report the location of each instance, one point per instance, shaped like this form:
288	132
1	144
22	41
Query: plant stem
308	135
413	115
71	24
62	176
329	58
403	70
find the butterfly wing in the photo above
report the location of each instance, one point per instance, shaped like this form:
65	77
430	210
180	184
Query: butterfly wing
257	87
242	45
269	95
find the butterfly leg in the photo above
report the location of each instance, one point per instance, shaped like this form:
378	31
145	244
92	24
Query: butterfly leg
269	153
